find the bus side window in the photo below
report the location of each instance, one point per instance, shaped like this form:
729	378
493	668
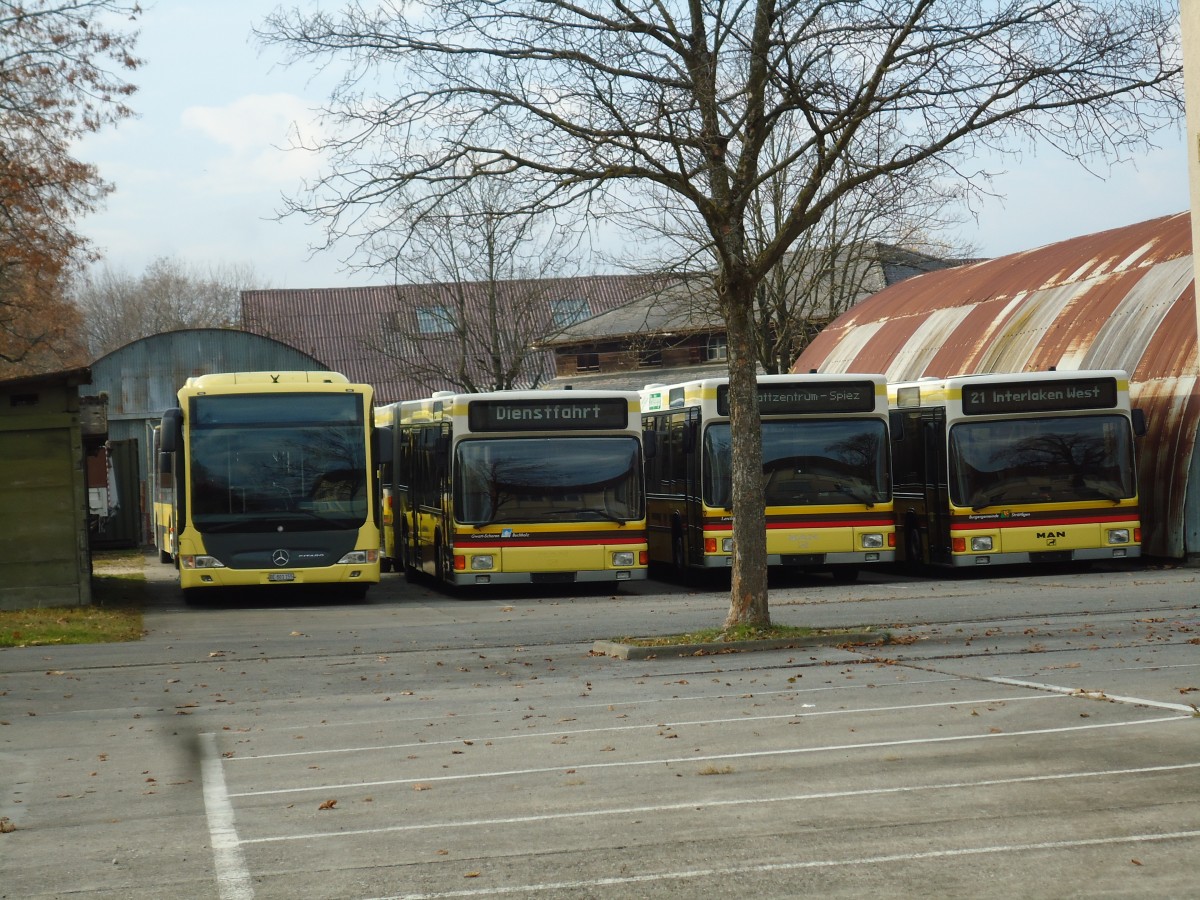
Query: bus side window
675	465
908	458
1139	422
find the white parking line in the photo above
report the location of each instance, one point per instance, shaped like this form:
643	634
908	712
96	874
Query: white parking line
803	864
791	751
1089	694
233	878
541	735
593	813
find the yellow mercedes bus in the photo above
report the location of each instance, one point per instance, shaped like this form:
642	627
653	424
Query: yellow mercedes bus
274	476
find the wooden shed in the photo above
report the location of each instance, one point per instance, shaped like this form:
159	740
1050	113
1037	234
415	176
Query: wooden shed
44	556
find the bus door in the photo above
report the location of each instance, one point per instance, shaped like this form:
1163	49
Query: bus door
682	483
936	487
430	495
688	486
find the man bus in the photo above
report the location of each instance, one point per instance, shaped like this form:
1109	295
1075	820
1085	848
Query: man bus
1029	467
519	487
826	473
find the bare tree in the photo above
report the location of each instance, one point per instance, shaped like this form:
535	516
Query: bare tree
476	295
118	307
604	103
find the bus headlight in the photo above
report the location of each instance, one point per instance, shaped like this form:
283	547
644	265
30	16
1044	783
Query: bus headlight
483	561
201	562
727	545
622	558
981	543
358	558
1118	536
872	541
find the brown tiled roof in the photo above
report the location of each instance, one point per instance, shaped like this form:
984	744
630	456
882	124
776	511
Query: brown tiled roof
368	333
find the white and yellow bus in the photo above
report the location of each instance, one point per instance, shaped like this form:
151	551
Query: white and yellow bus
275	482
519	487
826	473
1029	467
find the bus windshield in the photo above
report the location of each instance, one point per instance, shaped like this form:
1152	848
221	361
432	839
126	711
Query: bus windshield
553	479
262	463
1046	460
807	461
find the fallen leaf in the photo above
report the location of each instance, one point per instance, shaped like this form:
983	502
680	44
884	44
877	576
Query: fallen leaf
328	804
471	875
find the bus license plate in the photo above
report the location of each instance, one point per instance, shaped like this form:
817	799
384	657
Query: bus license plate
281	576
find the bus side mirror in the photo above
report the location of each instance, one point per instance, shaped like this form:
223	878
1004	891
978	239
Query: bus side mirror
896	425
381	445
171	431
649	444
1139	422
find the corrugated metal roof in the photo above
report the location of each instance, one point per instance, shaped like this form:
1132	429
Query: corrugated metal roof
1120	299
143	377
686	304
367	333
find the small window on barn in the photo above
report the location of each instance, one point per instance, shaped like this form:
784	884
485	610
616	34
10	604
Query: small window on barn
717	348
434	319
587	362
569	311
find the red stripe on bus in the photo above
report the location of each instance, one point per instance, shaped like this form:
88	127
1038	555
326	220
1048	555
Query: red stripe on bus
960	523
557	542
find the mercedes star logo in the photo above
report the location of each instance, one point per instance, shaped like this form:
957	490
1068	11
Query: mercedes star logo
280	557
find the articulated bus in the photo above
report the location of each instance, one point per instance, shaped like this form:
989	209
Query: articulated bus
519	487
826	473
275	482
1016	468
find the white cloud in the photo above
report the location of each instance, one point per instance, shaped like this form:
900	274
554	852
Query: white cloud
254	137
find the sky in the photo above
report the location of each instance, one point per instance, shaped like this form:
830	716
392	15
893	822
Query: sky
200	177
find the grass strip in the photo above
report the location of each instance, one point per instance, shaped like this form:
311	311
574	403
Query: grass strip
114	616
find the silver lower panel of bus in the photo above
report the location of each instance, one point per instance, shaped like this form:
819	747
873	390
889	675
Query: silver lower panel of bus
616	576
856	558
1050	556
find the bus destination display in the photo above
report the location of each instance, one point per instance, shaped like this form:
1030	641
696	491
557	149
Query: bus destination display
1024	396
537	415
807	397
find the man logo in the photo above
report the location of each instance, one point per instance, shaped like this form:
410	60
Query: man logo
1051	534
280	557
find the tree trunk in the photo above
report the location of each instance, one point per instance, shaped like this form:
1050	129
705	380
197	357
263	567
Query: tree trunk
748	592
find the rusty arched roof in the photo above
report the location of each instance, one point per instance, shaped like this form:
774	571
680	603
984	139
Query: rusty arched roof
1119	299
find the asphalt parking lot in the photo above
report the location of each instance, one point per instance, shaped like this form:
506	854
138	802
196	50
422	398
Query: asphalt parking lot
1025	734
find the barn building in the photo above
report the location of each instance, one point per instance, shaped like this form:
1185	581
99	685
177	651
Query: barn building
140	381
